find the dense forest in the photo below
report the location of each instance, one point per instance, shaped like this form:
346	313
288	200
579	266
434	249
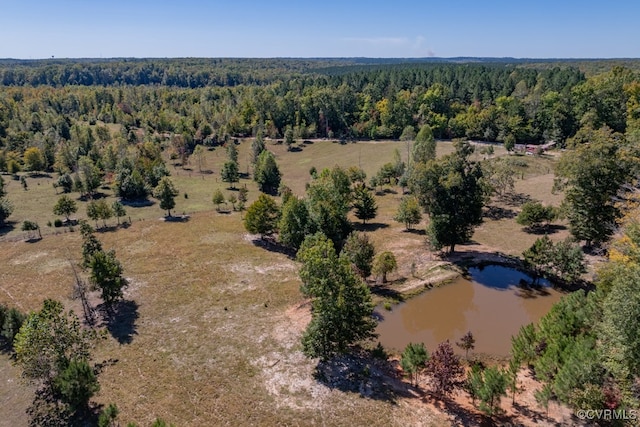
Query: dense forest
204	102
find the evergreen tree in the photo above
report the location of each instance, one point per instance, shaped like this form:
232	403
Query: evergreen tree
166	193
364	204
257	147
106	275
266	173
493	386
230	173
413	360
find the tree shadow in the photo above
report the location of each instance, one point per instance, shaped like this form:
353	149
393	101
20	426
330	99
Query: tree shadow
382	290
307	142
360	373
417	231
515	199
138	203
178	218
295	149
372	226
536	416
47	409
497	213
7	227
458	414
120	320
271	245
545	229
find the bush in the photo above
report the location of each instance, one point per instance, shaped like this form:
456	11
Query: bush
57	222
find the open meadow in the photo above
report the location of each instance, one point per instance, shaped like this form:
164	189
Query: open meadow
209	331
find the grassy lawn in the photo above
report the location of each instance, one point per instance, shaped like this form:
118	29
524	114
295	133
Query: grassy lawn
212	336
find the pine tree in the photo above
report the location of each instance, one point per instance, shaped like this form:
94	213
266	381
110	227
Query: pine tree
364	204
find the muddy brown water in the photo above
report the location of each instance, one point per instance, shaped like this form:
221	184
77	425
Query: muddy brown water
493	305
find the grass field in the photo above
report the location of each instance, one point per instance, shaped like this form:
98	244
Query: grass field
213	320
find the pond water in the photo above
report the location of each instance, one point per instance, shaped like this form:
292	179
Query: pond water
493	305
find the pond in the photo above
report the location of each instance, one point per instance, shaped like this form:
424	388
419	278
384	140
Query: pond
493	305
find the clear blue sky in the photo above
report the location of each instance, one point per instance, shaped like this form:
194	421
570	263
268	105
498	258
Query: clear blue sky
288	28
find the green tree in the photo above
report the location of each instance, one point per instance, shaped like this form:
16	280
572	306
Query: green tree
562	260
34	159
408	133
288	138
591	176
364	204
30	226
492	387
65	206
232	152
200	153
424	147
262	216
534	214
342	307
166	193
48	340
6	209
523	345
76	384
91	175
65	182
109	416
106	275
218	199
118	210
242	198
257	147
409	212
359	250
413	360
445	369
230	173
12	320
451	190
294	224
90	244
266	173
92	211
233	200
384	264
329	199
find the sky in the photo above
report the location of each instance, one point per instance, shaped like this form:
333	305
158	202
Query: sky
32	29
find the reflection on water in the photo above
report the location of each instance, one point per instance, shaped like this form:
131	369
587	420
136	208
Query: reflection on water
493	306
